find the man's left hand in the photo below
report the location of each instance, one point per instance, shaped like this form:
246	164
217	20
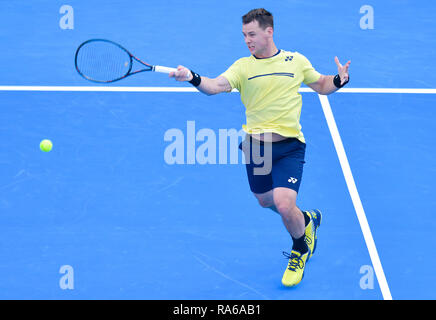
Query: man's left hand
343	70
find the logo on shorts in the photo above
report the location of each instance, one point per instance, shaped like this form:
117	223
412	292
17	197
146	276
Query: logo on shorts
292	180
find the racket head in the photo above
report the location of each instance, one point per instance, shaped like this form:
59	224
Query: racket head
104	61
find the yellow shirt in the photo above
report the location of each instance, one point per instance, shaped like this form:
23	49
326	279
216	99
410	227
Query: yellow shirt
269	91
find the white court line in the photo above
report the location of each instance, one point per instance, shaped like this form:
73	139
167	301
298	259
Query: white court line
357	203
192	89
387	90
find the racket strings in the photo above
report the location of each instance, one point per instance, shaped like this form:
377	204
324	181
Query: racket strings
103	61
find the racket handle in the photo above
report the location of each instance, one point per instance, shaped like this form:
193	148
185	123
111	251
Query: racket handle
166	70
163	69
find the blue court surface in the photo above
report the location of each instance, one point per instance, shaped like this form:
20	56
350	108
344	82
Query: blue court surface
107	211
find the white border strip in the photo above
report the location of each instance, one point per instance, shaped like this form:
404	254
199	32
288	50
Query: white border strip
98	89
355	197
192	89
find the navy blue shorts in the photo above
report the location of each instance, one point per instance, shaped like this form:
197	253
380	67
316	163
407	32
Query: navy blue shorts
272	165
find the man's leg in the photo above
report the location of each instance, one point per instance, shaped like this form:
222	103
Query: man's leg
294	221
278	192
266	200
285	200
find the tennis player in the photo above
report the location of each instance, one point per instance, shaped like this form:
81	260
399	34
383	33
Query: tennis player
268	82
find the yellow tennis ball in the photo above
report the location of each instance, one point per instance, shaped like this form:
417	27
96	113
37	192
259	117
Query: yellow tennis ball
46	145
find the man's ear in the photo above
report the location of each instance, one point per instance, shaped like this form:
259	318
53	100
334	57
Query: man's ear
270	31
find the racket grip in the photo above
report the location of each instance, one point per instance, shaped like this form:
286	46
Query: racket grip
166	70
163	69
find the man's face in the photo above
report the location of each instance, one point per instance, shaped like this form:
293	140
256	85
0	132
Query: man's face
255	37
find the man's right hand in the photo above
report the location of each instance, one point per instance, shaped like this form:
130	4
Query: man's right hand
182	74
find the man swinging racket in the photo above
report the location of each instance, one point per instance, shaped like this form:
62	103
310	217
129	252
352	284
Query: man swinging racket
268	82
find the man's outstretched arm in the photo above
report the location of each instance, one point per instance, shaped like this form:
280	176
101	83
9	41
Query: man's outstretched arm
207	86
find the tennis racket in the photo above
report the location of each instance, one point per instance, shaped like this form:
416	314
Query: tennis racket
105	61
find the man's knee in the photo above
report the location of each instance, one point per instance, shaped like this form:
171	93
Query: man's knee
285	207
285	201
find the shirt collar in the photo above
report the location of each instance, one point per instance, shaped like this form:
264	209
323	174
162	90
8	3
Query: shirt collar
268	57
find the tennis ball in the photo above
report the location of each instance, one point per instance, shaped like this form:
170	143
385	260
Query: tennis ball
46	145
